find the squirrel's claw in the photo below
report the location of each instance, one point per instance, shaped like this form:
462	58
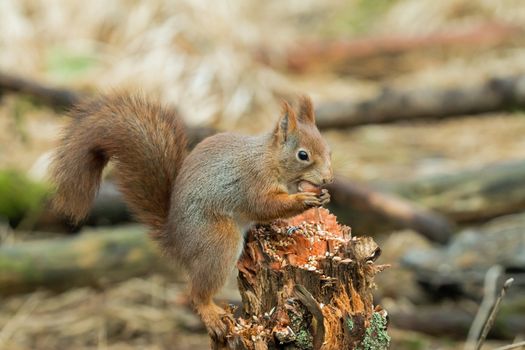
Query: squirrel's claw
311	200
213	319
324	197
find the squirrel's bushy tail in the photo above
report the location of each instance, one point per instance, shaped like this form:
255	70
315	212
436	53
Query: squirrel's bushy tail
144	140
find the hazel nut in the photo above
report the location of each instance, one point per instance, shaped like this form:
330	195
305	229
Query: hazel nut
307	186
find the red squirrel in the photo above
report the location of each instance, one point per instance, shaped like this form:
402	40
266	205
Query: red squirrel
197	204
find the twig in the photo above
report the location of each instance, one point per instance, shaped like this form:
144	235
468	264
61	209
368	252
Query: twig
311	304
490	294
493	311
512	346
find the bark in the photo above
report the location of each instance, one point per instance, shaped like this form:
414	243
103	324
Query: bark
90	259
306	283
425	103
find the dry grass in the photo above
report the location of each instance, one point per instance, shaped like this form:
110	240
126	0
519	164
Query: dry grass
193	53
140	313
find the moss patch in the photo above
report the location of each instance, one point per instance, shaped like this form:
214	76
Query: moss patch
19	196
300	322
349	323
376	337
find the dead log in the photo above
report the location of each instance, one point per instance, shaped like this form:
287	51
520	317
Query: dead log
425	103
306	283
458	270
469	196
369	210
464	197
350	54
23	203
90	259
454	321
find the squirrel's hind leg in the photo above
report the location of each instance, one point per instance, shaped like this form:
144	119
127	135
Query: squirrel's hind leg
209	269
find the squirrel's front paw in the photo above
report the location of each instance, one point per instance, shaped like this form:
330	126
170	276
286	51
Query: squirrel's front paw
309	199
324	197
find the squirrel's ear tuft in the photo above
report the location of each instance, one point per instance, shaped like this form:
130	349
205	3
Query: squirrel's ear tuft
306	109
287	123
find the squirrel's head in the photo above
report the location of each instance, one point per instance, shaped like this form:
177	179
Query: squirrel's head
303	154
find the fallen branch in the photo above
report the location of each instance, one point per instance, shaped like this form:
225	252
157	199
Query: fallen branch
52	96
469	196
512	346
369	209
91	259
454	322
492	277
343	54
23	202
424	103
493	312
64	98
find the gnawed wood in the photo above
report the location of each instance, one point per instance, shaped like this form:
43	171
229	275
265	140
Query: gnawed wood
306	283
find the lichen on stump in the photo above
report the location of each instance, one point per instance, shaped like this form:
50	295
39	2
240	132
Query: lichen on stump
306	283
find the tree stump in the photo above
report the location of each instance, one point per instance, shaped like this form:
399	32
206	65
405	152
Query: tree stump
306	283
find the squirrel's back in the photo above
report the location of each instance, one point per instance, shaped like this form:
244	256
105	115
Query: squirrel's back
146	142
220	169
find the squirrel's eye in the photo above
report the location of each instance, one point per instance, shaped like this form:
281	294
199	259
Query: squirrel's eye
302	155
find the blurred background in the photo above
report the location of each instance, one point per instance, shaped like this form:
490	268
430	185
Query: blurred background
422	102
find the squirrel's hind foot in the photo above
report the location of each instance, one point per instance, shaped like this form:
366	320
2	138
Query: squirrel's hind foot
213	318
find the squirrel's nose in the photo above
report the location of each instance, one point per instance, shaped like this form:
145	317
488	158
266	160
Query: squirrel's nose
328	179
